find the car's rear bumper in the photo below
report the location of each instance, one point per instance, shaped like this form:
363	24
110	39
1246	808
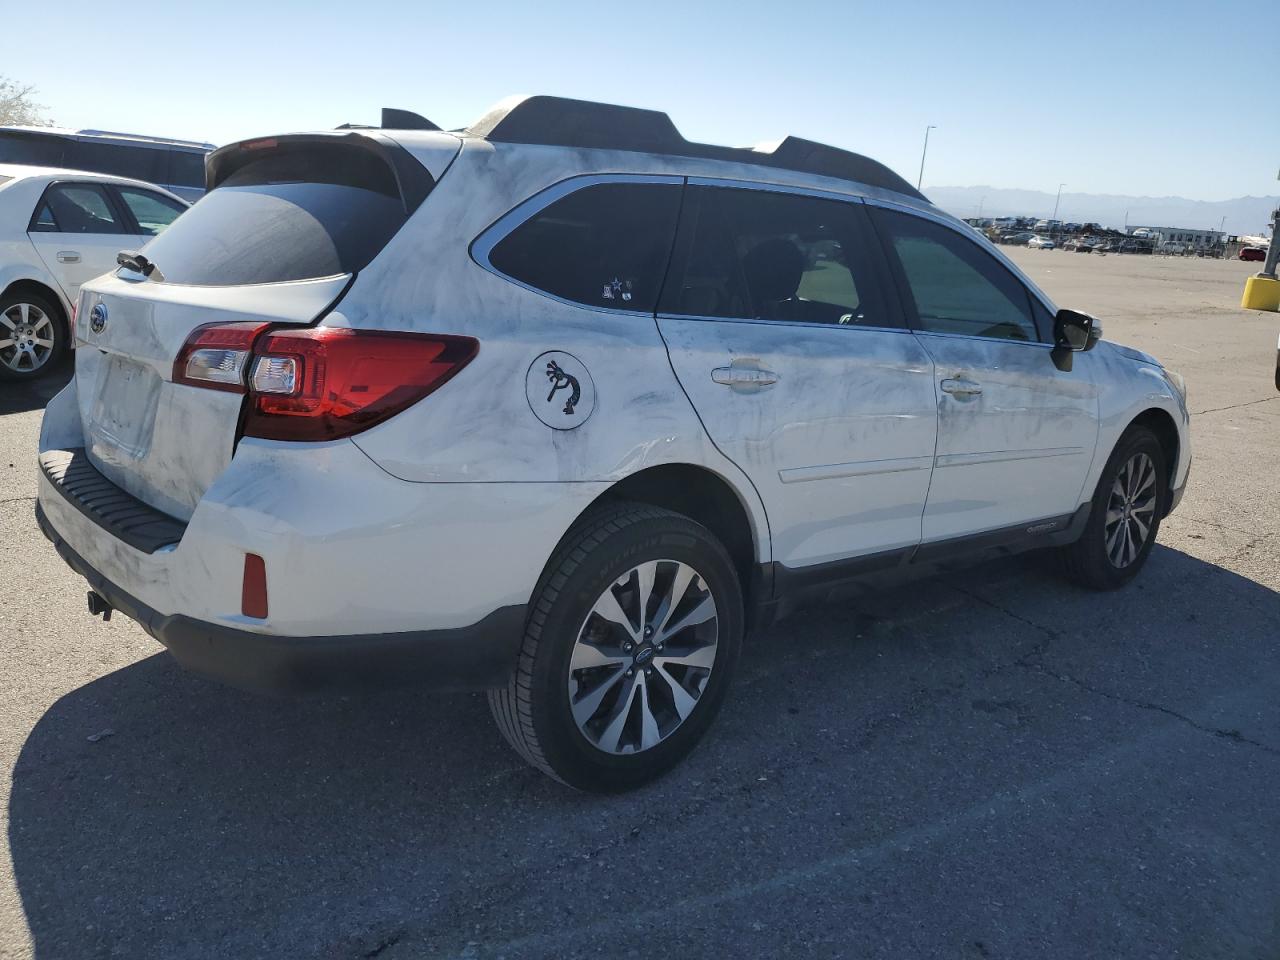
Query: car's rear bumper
475	657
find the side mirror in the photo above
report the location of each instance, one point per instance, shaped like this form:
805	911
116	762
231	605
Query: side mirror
1073	330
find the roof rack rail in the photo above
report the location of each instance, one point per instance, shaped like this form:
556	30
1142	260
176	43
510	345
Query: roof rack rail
170	141
560	121
393	119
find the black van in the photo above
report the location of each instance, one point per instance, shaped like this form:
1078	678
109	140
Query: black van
176	165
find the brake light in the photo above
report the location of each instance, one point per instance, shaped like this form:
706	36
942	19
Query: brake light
216	356
323	383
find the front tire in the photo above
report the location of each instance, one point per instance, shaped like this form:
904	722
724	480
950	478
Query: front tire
632	638
1124	516
33	336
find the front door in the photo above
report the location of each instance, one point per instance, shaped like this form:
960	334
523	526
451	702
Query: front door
1016	435
783	333
78	231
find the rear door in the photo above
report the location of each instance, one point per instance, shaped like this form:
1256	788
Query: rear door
278	241
77	229
784	335
1016	435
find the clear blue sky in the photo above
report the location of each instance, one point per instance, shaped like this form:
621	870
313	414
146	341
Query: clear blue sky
1146	97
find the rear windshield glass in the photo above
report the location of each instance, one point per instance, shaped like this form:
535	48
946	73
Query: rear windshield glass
294	214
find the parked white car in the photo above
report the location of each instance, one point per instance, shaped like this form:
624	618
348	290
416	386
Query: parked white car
59	228
1041	243
561	406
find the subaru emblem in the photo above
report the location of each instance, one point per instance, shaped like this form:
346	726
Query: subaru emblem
98	318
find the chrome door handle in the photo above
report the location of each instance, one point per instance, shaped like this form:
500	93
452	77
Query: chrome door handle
743	377
961	387
68	256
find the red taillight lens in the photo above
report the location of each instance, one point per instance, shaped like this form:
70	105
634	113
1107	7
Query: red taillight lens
323	383
253	591
216	356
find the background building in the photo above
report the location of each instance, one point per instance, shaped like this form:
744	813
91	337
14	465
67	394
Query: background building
1187	236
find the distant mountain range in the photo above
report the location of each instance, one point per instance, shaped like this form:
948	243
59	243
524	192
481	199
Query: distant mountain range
1244	215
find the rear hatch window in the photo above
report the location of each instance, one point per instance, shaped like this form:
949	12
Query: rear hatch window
291	209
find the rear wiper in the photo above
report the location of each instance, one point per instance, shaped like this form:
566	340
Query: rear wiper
137	263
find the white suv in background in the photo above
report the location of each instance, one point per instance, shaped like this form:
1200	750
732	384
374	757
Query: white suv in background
561	406
59	228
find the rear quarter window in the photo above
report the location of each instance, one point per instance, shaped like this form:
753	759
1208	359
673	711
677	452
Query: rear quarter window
604	245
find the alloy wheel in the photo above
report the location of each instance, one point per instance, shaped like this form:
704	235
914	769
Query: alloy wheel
643	656
1131	509
26	337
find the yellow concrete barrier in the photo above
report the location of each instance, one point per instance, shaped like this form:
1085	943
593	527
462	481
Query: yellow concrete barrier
1261	293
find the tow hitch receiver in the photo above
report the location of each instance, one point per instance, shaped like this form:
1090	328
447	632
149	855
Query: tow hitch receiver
98	606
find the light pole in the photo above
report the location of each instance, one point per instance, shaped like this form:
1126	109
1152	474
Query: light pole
920	179
1057	201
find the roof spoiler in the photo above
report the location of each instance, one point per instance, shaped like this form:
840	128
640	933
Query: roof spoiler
413	181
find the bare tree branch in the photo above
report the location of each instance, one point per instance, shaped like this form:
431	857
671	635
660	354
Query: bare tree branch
17	107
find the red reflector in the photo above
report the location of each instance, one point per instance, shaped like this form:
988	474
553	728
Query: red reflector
253	594
216	355
343	381
258	144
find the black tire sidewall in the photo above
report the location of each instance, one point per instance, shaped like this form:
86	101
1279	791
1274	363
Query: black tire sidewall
1092	545
566	749
53	311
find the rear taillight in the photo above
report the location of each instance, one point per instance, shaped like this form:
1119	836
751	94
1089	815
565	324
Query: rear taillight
323	383
319	383
216	356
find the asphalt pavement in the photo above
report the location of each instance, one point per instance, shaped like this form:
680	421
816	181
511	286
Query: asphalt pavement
988	764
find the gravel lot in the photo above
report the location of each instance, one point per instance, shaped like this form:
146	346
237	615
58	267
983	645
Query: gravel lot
987	764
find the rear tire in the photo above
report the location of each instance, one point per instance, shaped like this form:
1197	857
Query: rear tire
1124	516
632	638
33	336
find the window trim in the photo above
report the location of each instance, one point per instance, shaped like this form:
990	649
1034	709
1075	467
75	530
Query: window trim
114	203
1032	291
482	246
883	271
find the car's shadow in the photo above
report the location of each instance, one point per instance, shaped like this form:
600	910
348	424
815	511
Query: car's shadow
19	396
156	814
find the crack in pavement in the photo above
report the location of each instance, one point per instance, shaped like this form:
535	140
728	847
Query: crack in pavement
1234	406
17	499
1049	635
1231	734
1025	663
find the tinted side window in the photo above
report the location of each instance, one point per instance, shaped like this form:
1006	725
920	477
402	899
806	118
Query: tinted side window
139	163
764	255
956	286
38	150
606	245
152	211
186	169
80	208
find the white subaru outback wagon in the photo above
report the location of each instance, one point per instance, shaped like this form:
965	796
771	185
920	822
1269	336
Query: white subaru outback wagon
561	405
